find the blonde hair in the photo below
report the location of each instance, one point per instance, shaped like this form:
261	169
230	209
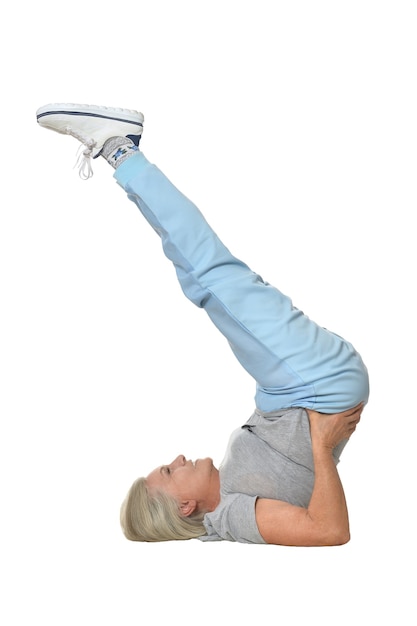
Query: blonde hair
157	517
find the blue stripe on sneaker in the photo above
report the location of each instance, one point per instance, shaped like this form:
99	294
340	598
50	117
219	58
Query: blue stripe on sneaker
85	114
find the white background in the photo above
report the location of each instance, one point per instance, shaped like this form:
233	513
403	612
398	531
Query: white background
292	125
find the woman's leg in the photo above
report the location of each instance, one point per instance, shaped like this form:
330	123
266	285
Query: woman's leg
293	360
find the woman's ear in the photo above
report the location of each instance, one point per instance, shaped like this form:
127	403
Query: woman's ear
188	507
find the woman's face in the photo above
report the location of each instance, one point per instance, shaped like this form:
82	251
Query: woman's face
195	484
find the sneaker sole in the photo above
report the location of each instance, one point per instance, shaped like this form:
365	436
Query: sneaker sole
85	110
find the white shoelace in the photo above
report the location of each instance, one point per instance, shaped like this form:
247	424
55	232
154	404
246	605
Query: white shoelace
83	162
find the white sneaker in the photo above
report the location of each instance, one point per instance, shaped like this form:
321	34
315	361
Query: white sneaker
92	125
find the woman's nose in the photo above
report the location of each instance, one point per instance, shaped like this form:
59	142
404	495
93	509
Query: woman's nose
179	461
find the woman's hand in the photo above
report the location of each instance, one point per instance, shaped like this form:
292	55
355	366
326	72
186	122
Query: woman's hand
327	430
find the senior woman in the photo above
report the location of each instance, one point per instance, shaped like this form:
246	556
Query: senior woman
278	482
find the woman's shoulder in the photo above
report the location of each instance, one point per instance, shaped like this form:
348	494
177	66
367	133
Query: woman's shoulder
234	519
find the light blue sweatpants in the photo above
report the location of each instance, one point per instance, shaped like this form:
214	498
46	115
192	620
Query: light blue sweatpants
294	362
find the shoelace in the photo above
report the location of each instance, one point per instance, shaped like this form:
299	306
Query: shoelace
83	162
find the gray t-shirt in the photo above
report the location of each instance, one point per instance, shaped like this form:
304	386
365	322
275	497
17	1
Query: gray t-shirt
269	457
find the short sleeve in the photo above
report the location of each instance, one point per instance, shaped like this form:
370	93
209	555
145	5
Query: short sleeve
233	520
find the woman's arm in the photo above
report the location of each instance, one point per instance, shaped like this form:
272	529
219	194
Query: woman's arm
325	521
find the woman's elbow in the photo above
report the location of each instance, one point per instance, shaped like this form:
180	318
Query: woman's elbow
332	534
337	537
